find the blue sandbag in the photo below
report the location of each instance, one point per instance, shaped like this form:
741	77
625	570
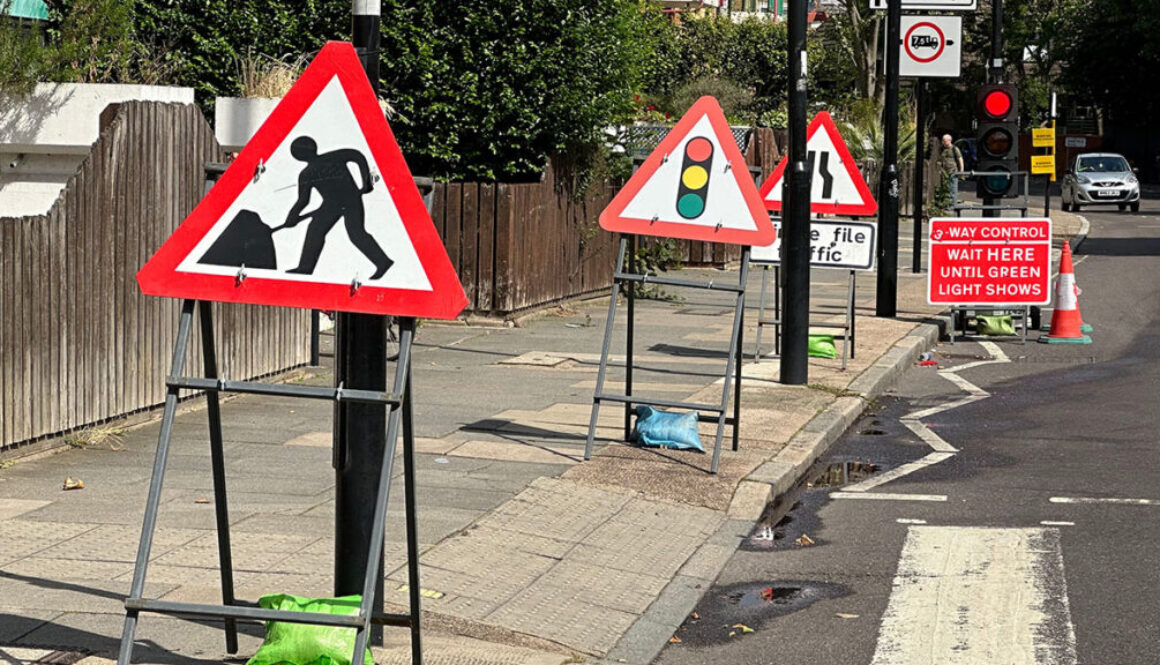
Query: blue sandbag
661	429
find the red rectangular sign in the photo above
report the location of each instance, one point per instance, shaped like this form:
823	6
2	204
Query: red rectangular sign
990	261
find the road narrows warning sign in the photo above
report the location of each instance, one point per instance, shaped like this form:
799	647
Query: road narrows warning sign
695	185
318	210
989	261
838	187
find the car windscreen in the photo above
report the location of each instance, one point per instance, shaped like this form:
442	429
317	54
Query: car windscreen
1105	164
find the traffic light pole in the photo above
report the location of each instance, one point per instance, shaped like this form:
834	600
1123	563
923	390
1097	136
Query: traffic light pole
887	305
360	435
796	225
919	174
995	74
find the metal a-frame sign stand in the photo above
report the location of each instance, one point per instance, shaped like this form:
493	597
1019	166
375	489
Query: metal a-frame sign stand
695	185
334	89
399	403
732	366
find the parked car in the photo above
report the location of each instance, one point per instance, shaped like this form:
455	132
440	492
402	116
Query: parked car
1101	178
970	154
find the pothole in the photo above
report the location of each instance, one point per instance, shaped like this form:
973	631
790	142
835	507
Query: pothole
843	473
792	521
731	612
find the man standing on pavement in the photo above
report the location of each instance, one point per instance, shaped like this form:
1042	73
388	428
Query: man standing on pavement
950	160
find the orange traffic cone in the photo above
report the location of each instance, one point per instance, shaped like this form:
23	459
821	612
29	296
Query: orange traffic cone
1066	321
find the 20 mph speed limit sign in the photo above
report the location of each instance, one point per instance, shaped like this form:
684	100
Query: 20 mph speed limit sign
931	46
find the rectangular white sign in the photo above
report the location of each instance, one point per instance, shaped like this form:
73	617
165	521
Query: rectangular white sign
932	46
931	5
1075	142
833	244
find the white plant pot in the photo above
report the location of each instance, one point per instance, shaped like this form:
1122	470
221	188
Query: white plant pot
235	119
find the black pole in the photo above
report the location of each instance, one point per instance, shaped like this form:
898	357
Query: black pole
796	225
919	173
360	429
995	74
888	183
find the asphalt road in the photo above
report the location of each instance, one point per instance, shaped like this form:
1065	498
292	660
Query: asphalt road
997	572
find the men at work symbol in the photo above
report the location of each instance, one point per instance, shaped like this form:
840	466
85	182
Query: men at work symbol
327	173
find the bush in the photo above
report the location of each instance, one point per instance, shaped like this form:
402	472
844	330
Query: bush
490	89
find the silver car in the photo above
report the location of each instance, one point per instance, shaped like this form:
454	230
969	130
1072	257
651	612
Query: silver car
1101	178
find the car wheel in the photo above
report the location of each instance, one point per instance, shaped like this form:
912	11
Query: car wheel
1123	207
1135	206
1075	207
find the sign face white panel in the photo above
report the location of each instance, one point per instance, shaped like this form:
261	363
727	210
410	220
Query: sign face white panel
833	244
931	5
931	46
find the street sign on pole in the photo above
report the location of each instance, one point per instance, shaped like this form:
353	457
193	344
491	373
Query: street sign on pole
833	244
932	46
931	5
1043	137
1041	164
989	261
838	187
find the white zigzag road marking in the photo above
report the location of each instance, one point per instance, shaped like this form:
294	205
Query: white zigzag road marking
942	450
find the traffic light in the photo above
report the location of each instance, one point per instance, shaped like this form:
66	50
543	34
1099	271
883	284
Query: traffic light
997	140
694	188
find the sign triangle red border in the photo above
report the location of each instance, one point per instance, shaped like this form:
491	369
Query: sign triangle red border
160	276
867	206
613	219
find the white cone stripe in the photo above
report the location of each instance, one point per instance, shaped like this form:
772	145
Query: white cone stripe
978	596
1065	293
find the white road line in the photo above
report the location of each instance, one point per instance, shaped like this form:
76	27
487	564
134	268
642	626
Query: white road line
1122	502
942	450
978	596
886	496
908	520
926	434
898	472
1054	523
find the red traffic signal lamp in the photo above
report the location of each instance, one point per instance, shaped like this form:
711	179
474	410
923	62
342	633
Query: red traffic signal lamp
997	139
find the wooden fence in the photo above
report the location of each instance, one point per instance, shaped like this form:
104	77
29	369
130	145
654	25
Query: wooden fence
79	344
518	246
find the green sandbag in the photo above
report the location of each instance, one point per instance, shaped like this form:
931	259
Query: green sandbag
986	324
822	346
304	644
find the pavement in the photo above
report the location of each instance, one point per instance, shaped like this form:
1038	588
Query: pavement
528	553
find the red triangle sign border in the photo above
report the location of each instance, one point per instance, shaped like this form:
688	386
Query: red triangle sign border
763	233
160	275
868	206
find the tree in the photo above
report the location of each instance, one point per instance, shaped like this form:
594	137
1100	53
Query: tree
1112	51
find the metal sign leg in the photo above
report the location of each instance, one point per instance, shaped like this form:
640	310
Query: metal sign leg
604	353
152	503
629	330
734	341
217	453
375	553
412	510
737	369
760	314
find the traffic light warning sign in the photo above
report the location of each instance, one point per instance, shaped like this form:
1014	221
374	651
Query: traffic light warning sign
694	186
838	187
